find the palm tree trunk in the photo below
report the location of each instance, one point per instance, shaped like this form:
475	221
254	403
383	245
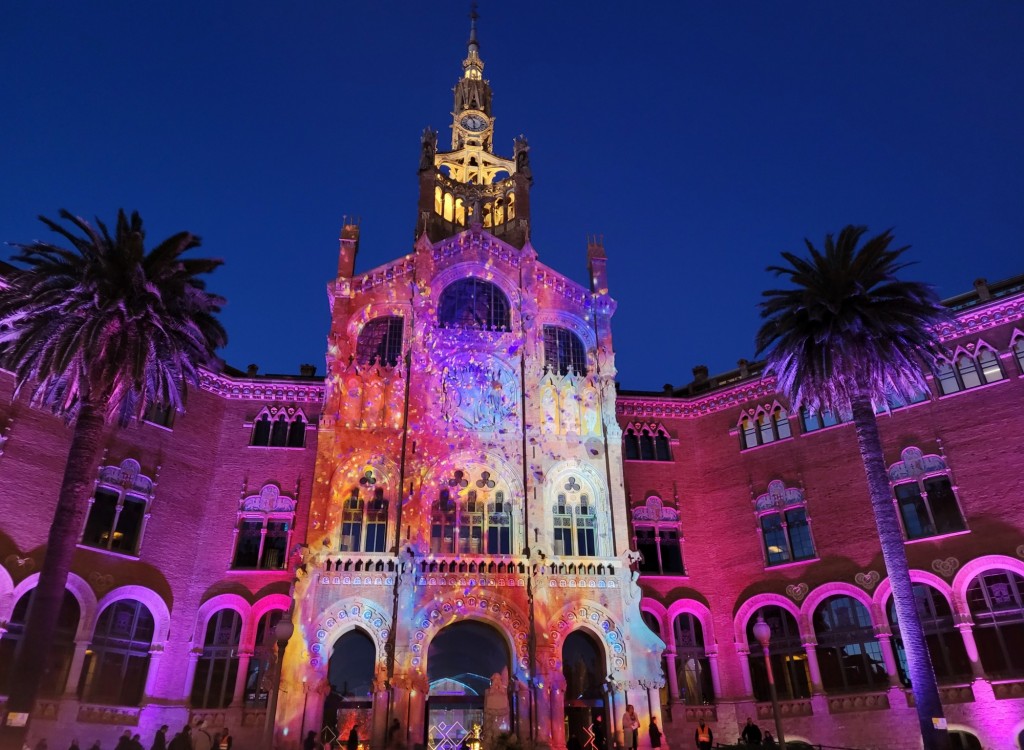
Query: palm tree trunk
919	663
76	487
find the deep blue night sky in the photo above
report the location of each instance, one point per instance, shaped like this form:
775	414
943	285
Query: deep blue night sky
699	138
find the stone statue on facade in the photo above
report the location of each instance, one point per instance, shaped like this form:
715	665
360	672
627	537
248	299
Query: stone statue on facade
428	149
496	709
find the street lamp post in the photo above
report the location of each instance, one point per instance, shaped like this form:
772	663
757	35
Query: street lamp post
763	634
282	632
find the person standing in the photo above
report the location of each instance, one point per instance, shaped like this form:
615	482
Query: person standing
630	727
182	740
124	742
353	738
226	740
703	736
751	733
160	739
201	738
655	732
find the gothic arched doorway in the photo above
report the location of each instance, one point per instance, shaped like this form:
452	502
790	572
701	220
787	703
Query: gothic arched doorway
461	662
583	666
350	672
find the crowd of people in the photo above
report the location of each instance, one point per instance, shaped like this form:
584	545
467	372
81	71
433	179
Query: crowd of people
198	737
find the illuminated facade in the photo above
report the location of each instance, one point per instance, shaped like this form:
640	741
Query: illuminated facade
467	524
469	468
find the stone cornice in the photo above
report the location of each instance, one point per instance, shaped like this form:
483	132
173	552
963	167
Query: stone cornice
697	406
261	389
968	322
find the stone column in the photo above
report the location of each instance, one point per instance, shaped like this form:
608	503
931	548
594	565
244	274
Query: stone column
966	628
673	678
190	671
811	647
75	671
615	709
416	709
238	696
156	653
716	682
743	653
888	656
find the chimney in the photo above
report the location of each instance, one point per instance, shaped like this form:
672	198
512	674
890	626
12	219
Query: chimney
700	374
251	370
307	371
744	366
981	287
597	263
349	242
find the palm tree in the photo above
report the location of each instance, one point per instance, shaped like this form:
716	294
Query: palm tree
844	337
99	332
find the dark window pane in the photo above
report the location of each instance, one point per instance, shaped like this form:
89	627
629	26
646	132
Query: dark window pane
799	534
943	504
100	523
279	433
380	342
261	431
275	545
297	433
913	511
775	544
129	526
247	550
563	351
474	304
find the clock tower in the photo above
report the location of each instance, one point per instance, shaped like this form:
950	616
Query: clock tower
470	184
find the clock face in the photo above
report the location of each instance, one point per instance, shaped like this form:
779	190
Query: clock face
474	123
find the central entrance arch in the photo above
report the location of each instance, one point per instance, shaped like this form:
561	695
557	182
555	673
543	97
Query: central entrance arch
583	667
462	701
350	673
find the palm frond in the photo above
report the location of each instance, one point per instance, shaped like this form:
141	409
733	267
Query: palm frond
103	322
847	325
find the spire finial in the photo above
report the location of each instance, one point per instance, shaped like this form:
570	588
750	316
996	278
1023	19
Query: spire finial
473	15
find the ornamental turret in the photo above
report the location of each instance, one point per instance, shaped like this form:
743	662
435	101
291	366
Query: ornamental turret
470	184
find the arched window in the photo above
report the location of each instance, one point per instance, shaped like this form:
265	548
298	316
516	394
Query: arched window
297	432
474	304
945	645
789	658
996	601
1018	352
259	663
848	652
279	432
364	525
661	447
117	514
632	444
265	523
563	351
117	662
692	663
217	667
59	650
646	445
574	521
785	526
472	515
261	431
380	341
764	427
657	538
275	428
924	495
967	371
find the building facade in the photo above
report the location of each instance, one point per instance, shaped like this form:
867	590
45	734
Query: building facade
472	532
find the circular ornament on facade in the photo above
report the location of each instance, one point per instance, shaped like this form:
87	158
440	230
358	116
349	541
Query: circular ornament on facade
354	610
321	634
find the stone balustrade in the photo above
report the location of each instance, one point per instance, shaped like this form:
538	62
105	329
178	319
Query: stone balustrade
843	704
695	714
795	707
122	715
1006	690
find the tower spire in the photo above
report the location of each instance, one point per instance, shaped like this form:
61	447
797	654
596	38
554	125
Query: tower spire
474	47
